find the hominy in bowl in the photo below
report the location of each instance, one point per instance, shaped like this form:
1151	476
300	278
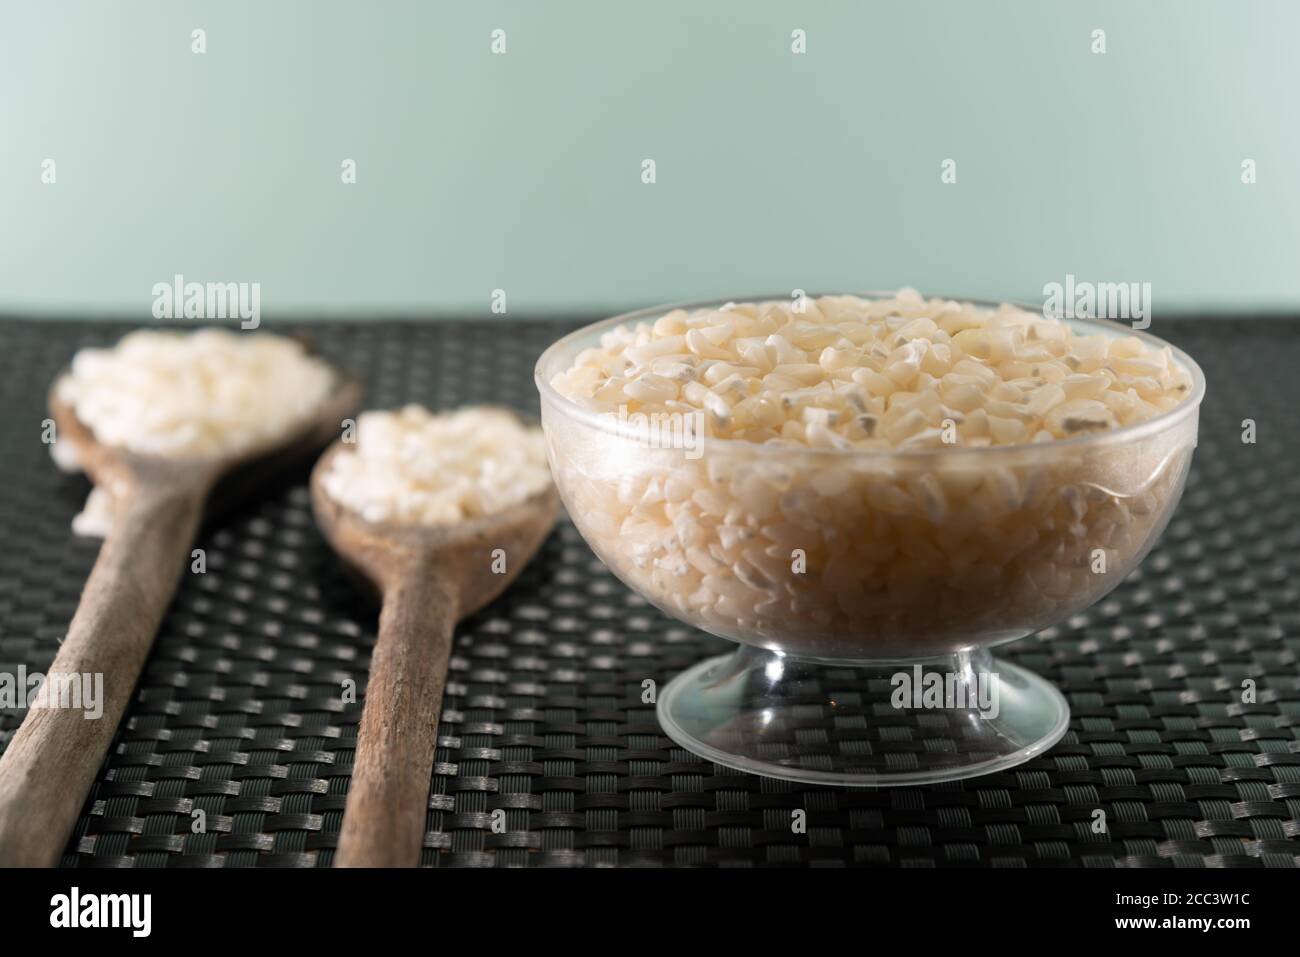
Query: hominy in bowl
877	478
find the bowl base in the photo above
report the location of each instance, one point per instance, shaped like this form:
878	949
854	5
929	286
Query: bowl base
863	725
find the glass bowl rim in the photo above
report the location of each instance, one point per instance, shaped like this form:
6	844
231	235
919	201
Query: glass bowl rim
604	422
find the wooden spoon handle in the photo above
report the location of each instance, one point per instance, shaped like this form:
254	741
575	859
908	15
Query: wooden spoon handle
388	798
51	763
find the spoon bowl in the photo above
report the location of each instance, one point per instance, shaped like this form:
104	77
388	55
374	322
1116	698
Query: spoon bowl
381	554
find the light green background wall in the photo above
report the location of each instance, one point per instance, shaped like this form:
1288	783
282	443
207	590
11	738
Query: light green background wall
523	171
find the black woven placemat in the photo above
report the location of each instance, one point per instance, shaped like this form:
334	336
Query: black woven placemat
239	712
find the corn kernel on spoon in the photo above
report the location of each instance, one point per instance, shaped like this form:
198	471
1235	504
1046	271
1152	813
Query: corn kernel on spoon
51	762
429	576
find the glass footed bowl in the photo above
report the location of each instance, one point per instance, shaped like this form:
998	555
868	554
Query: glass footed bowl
865	588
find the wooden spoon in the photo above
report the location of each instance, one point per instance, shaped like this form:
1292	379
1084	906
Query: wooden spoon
428	577
51	763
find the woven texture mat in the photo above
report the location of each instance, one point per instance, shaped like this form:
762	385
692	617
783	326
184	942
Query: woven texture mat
239	711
